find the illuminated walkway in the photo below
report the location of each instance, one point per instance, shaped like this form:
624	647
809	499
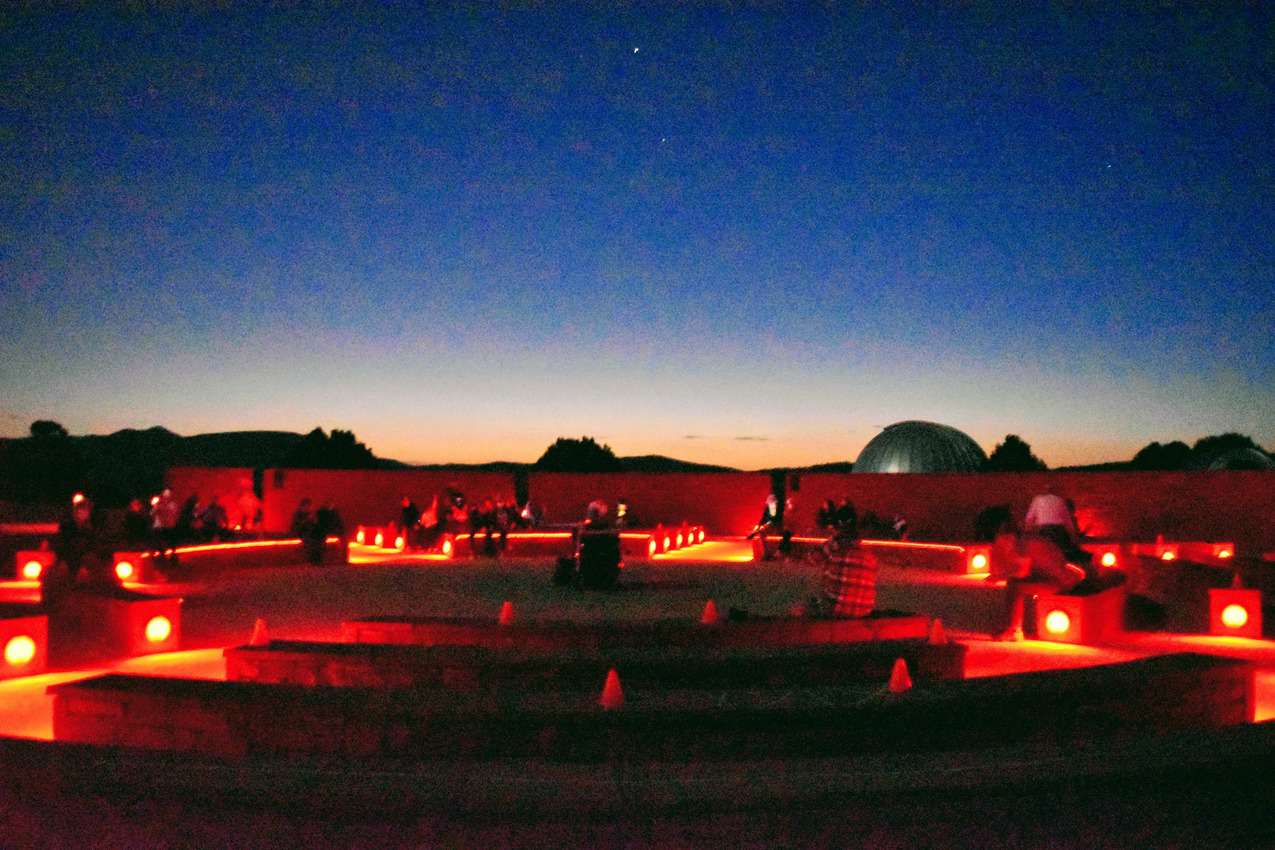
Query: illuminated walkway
305	603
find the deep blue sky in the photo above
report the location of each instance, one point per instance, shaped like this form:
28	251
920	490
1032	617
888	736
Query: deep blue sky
748	237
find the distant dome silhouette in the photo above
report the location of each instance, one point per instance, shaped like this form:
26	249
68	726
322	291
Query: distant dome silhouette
916	446
1242	459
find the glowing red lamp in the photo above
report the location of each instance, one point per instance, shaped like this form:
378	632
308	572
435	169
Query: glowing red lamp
701	535
361	537
1089	619
1223	551
124	570
399	542
978	559
448	547
32	563
25	641
665	548
1057	623
651	548
158	629
379	540
678	540
1236	612
1109	559
19	651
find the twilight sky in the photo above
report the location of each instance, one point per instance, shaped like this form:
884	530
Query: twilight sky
740	237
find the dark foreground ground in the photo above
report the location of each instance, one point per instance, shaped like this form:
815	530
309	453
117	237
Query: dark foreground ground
1213	792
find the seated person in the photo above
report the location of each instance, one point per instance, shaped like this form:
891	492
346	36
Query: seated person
1027	560
1051	516
599	550
848	586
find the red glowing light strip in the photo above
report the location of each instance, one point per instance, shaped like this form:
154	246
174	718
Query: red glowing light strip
525	535
899	544
908	544
252	544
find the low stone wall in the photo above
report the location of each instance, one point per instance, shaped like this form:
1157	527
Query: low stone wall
237	719
473	668
562	635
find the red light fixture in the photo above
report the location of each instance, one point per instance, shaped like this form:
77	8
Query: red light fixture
399	542
1234	616
32	570
360	537
1223	551
679	540
1057	623
701	535
651	547
124	570
978	559
447	548
1236	612
1108	559
379	540
19	650
158	629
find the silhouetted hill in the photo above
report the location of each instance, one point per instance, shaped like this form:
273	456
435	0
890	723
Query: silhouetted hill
660	463
832	466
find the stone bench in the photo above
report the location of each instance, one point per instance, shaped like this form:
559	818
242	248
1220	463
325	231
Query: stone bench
1083	619
476	668
561	635
230	719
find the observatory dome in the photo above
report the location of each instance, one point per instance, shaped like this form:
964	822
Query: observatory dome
915	446
1242	459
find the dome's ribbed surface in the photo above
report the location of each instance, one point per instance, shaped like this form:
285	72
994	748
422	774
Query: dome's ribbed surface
915	446
1242	459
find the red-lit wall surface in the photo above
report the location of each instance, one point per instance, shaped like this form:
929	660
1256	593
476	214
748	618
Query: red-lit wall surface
371	497
724	503
1237	506
1231	506
225	482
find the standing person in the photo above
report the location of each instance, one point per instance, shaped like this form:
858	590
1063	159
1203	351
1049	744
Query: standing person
214	520
136	524
164	514
189	519
409	517
247	508
77	547
624	517
305	526
771	522
328	523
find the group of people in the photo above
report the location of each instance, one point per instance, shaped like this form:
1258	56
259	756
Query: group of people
315	527
493	518
1044	552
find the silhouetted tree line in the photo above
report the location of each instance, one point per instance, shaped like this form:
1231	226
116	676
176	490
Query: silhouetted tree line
1230	450
1013	455
50	464
338	450
582	455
